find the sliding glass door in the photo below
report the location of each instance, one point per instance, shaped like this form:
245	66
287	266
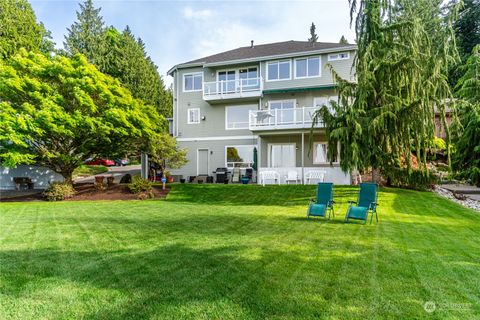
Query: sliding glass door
282	155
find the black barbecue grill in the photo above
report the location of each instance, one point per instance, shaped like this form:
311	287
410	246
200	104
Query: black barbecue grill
221	175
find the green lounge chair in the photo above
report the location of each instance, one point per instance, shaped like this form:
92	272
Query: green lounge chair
318	207
366	203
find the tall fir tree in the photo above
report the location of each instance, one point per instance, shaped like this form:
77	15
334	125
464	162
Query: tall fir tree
343	40
313	35
19	29
125	58
85	34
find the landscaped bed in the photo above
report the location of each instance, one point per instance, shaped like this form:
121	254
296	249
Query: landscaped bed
239	252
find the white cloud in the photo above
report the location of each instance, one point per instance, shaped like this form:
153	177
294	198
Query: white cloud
190	13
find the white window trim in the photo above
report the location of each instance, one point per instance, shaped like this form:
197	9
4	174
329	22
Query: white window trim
338	53
307	76
236	146
226	116
278	61
315	144
269	153
192	74
188	116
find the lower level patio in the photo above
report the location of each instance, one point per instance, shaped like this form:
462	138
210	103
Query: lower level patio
296	158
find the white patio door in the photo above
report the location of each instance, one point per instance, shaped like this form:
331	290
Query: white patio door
282	155
227	81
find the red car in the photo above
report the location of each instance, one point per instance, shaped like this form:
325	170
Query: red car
101	162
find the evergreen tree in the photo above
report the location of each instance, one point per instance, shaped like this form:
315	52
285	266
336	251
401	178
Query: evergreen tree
467	28
313	35
404	51
125	58
466	158
85	34
467	33
19	29
343	40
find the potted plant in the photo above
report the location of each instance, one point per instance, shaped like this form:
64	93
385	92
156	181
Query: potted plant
169	176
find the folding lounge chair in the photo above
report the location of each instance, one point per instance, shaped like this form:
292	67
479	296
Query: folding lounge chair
366	203
318	207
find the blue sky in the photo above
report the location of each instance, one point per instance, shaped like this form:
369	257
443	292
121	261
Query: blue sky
178	31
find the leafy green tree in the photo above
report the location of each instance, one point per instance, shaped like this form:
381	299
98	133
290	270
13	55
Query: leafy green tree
19	29
466	158
167	153
404	50
85	35
313	35
60	111
343	40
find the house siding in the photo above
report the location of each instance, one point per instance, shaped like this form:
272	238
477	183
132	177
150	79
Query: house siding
212	134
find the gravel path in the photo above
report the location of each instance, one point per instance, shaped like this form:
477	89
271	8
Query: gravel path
469	203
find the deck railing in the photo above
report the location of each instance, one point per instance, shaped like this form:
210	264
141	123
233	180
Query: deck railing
282	118
232	88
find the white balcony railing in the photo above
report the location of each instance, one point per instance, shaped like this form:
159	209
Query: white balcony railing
228	89
282	118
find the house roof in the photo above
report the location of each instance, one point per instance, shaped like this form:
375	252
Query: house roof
269	50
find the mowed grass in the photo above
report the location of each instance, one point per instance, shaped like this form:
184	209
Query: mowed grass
239	252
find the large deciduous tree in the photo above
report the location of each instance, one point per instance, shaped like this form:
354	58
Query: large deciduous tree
404	50
60	111
19	29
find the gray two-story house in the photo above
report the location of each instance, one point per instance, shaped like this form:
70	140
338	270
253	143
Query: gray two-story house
252	107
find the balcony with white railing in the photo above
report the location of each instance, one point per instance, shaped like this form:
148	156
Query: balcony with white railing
273	119
232	89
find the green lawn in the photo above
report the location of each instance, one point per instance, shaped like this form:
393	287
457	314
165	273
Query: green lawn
238	252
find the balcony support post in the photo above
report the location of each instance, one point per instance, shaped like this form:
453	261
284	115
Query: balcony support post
303	156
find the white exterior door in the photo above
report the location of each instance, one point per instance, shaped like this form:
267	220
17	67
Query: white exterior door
202	162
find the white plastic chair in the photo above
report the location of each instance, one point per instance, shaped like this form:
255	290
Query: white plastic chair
269	175
292	176
314	175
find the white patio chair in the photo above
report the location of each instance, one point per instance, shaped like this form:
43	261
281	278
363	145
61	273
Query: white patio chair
269	175
292	176
314	175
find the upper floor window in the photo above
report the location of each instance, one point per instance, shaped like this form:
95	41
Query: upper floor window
307	67
192	82
237	117
193	116
278	70
339	56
